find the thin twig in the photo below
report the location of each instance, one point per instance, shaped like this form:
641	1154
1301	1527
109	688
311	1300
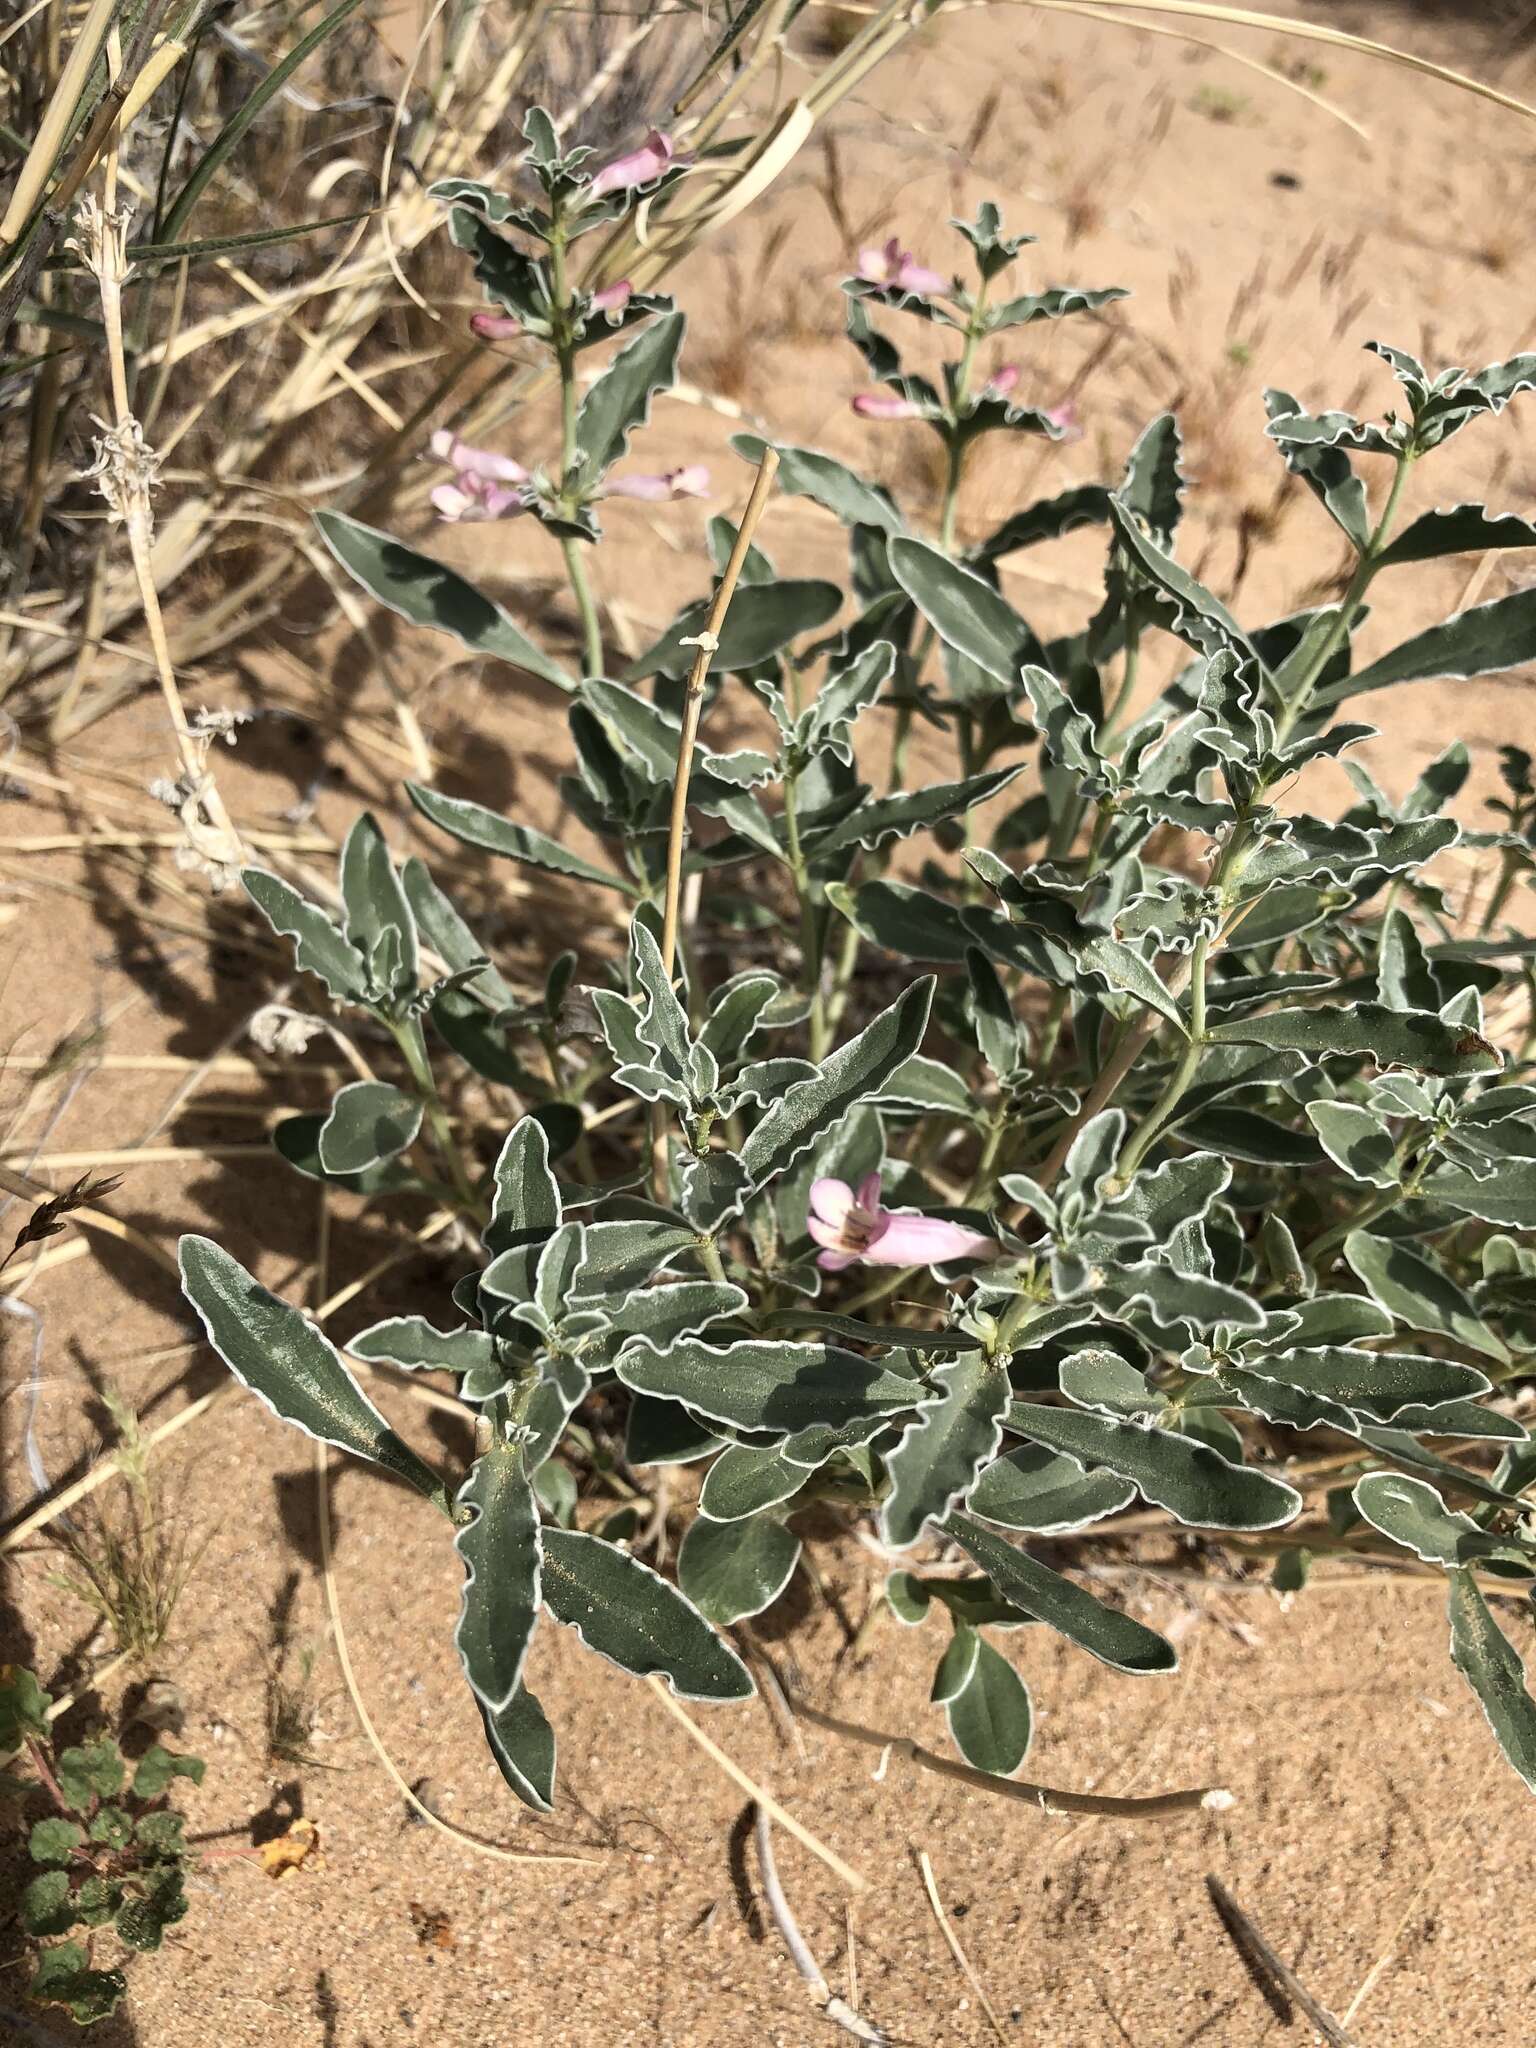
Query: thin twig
1045	1798
1258	1953
693	702
838	2010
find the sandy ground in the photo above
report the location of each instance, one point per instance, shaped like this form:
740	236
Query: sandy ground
1374	1838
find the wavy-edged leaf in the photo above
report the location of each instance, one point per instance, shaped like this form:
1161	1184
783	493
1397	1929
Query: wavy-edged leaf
990	1722
1464	529
319	947
806	473
964	610
620	399
1083	505
1375	1384
476	826
1390	1038
1412	1285
780	1387
380	922
743	1481
1114	1638
501	1555
908	811
1195	1484
293	1367
629	1614
732	1570
415	1345
1194	613
1480	642
1411	1513
763	618
1494	1669
429	593
1326	471
1046	1493
943	1448
1357	1140
523	1744
847	1077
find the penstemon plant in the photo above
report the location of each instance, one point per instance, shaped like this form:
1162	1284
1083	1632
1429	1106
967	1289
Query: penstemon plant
1133	1155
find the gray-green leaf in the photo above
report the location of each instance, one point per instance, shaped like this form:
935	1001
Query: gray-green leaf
630	1615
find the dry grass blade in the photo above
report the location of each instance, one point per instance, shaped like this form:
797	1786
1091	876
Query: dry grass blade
1305	31
765	1800
1263	1960
952	1942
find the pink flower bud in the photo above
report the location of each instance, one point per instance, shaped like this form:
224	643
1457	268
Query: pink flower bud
642	166
1064	416
495	326
691	482
896	267
613	298
881	405
1002	381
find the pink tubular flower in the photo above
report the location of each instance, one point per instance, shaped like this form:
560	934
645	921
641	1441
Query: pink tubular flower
613	298
495	326
1065	417
899	268
641	167
880	405
485	485
1002	381
851	1226
690	482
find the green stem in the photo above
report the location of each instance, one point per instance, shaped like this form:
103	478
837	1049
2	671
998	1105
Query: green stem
408	1036
809	946
565	358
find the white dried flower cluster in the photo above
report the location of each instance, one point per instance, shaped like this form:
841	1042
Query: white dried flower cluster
279	1030
126	470
205	849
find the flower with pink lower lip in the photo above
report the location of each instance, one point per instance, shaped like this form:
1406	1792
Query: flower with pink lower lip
641	166
1065	417
1002	381
689	482
852	1228
613	298
899	269
485	485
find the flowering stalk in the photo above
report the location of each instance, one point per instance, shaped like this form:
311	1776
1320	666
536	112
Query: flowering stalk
565	359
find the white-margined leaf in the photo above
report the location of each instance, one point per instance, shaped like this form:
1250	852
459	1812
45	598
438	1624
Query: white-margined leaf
965	611
1391	1038
1114	1638
501	1554
1494	1669
1411	1284
415	1345
1358	1141
620	399
1196	1485
474	825
955	1666
523	1745
780	1387
629	1614
291	1364
369	1122
428	593
989	1720
743	1481
1412	1514
914	810
847	1077
732	1570
378	914
1046	1493
319	948
944	1446
806	473
1375	1384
